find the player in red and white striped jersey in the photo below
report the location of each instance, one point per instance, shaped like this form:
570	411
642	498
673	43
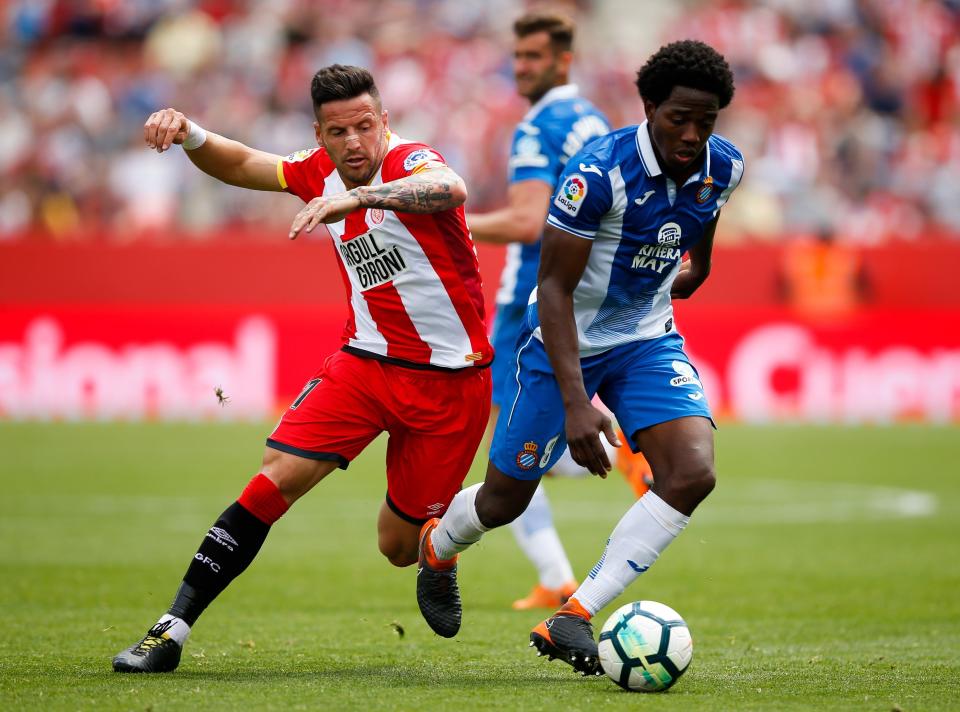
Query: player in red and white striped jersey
415	346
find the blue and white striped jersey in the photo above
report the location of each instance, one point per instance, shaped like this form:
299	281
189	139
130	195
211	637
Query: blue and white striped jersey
614	193
554	128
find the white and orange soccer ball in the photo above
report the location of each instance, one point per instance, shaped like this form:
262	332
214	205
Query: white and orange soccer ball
645	646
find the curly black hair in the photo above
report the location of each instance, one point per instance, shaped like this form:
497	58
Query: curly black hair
688	63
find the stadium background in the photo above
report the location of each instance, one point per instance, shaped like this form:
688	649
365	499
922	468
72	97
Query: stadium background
132	284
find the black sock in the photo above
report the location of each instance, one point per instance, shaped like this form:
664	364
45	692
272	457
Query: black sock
227	549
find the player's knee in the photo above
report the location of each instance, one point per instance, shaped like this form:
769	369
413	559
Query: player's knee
684	489
397	553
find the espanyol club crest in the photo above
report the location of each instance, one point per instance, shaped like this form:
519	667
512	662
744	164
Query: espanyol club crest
376	216
527	457
705	191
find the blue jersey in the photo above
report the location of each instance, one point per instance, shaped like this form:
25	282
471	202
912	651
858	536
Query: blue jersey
614	193
554	128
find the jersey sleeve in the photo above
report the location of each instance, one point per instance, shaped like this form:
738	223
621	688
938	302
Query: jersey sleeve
534	155
408	159
303	173
581	200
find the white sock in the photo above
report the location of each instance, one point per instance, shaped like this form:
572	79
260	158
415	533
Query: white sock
460	526
179	631
566	466
636	542
538	539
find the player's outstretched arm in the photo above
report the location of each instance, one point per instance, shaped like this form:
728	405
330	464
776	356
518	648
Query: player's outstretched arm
223	158
563	258
430	191
694	272
520	221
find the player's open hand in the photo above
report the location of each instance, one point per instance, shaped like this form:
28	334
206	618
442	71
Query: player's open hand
324	209
584	425
165	128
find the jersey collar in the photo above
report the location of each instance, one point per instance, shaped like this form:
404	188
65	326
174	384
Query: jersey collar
649	157
564	91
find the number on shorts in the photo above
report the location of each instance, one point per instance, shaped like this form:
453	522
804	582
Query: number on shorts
305	392
548	450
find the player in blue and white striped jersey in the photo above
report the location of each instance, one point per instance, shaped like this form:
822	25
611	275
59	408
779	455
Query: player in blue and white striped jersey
601	322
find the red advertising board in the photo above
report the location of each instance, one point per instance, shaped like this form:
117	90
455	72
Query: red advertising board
150	332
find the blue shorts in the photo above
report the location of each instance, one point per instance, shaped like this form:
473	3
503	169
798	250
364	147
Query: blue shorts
507	326
643	383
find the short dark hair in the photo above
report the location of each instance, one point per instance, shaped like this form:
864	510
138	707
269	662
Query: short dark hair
559	27
340	81
688	63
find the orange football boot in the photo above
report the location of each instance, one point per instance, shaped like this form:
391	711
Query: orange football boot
543	597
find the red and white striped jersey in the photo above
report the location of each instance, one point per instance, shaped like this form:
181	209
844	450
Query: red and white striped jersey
412	281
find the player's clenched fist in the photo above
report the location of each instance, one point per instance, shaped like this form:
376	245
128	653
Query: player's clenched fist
164	128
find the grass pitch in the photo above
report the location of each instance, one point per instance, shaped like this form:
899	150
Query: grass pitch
823	573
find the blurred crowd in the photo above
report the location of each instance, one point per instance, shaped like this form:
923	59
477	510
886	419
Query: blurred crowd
848	111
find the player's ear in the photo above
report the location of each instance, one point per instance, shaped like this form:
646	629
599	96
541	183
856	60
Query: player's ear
565	61
649	108
385	119
318	133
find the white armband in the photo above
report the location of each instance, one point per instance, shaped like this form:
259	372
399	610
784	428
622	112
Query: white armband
196	137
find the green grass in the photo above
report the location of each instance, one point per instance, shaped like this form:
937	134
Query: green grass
823	573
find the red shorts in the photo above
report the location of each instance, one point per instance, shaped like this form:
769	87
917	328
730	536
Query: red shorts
436	421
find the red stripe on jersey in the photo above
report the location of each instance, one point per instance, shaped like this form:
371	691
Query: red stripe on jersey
443	239
386	308
390	315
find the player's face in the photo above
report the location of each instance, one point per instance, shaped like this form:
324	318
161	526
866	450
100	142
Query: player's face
680	127
354	132
537	67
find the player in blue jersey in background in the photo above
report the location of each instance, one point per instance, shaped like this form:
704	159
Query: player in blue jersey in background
628	207
559	123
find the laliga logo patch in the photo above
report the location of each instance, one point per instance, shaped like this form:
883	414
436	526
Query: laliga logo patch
301	155
705	191
527	457
669	235
421	155
687	377
376	216
571	194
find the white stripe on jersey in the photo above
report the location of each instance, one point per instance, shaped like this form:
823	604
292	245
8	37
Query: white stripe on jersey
366	328
736	173
508	278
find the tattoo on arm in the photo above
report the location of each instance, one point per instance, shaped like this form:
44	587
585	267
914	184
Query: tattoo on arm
428	192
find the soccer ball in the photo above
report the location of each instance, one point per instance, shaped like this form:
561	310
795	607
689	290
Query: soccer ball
645	646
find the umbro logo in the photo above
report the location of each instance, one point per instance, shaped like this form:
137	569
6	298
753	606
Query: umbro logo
222	537
646	196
